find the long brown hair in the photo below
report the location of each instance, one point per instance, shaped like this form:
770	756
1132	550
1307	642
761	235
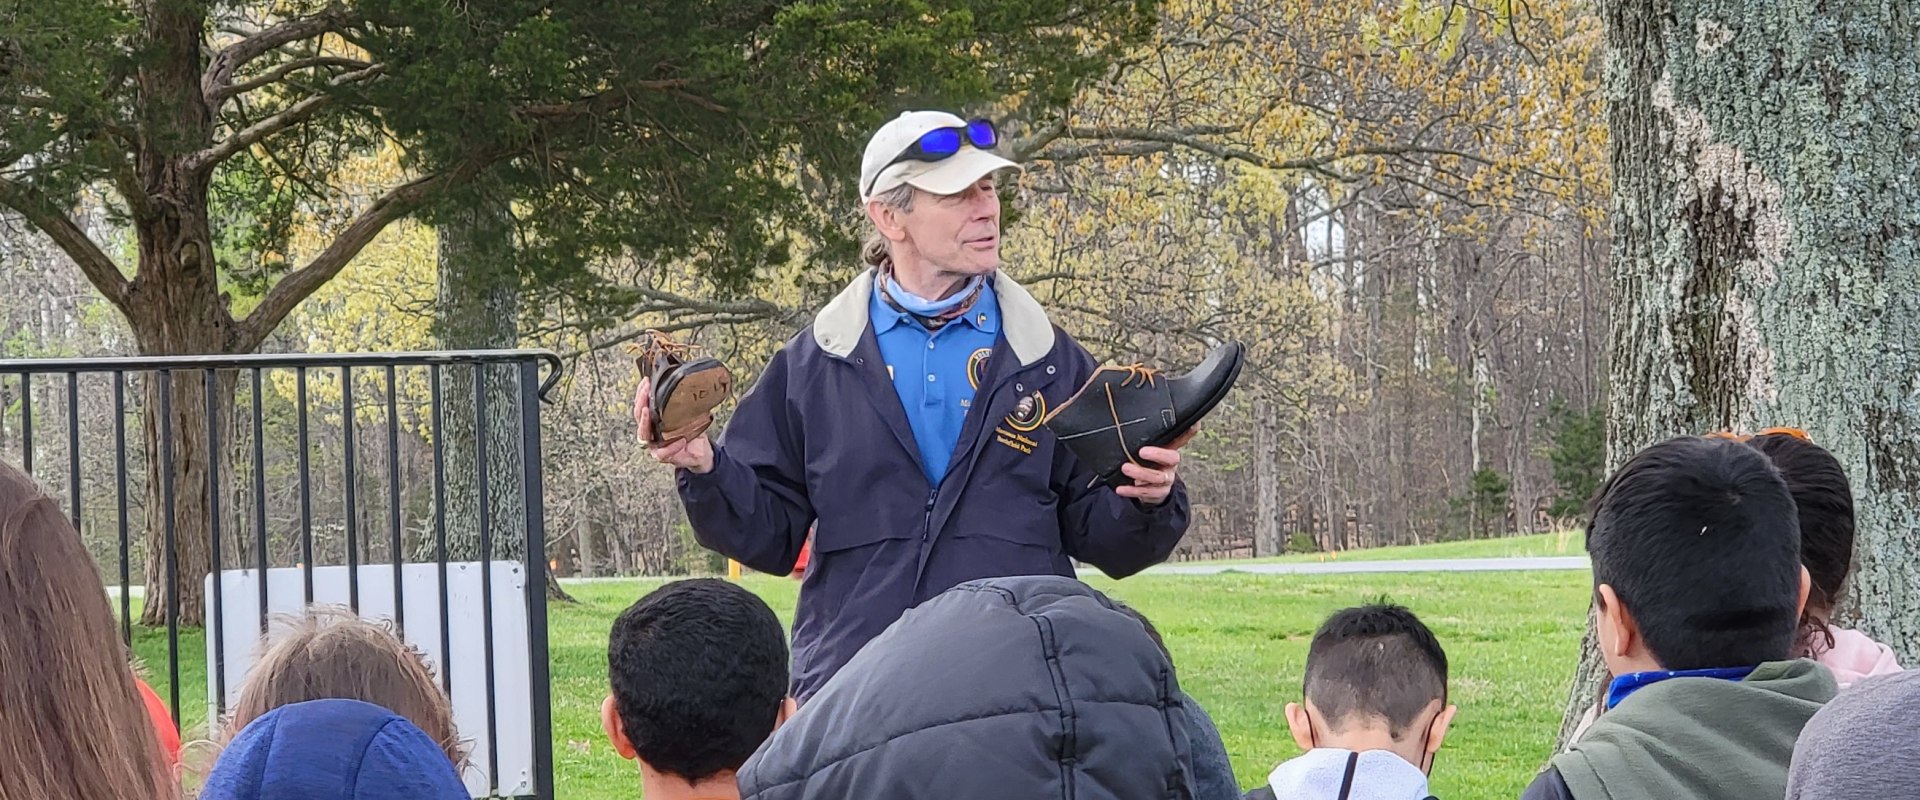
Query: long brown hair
75	727
330	652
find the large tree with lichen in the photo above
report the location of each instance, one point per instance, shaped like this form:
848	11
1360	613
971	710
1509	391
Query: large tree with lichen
1766	217
658	131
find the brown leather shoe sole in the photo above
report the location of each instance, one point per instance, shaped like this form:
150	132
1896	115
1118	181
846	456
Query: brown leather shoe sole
686	396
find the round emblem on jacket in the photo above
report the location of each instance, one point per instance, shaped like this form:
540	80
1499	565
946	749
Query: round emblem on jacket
977	367
1028	413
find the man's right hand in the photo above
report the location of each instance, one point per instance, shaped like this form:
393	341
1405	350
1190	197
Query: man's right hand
695	454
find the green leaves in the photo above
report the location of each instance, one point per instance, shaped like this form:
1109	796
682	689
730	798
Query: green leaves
63	71
659	132
674	131
1578	454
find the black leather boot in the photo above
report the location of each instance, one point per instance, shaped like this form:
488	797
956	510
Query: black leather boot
684	392
1123	409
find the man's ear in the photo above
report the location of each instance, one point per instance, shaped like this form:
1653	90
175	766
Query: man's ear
788	708
616	730
886	220
1301	724
1617	631
1806	587
1441	724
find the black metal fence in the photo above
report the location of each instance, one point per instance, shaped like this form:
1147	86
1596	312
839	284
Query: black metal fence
260	512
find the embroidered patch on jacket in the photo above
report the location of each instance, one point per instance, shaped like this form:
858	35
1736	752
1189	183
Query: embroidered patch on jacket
1028	413
977	367
1014	440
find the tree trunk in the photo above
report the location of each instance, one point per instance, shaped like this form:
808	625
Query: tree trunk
587	540
186	317
176	308
183	432
478	307
1767	250
1267	538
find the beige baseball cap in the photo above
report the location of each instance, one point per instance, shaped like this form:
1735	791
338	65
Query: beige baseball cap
879	173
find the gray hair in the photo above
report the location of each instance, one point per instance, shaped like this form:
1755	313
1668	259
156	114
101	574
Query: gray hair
878	248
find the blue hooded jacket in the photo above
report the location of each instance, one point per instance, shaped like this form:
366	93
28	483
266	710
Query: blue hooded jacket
333	750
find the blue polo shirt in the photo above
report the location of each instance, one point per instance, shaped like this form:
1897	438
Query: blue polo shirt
936	373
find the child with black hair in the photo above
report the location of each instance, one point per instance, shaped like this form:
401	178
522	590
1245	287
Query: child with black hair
1824	499
699	675
1698	590
1212	768
1374	710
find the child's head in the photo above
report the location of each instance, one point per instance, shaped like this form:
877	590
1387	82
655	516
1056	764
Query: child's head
1696	559
332	653
699	676
1376	680
335	749
1152	632
75	724
1824	499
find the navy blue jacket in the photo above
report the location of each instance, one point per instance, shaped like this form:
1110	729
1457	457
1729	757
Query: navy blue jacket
822	437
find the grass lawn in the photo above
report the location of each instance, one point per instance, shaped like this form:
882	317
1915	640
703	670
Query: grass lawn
1565	543
1240	642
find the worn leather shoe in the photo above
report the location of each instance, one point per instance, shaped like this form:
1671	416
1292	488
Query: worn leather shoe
684	390
1123	409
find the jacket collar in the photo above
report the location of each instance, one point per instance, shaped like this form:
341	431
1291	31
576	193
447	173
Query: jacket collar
838	326
1626	685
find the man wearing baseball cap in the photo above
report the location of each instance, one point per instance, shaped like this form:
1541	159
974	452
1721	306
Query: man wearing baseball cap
904	424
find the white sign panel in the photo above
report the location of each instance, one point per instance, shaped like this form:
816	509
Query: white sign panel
512	696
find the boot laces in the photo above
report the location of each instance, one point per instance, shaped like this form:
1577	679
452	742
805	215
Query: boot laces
658	342
1137	374
1147	376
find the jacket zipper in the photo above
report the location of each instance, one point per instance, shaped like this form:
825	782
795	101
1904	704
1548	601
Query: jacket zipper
926	518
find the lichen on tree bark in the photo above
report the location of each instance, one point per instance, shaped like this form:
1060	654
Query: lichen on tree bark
1767	246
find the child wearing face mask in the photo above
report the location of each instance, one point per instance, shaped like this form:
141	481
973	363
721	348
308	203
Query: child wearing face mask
1373	714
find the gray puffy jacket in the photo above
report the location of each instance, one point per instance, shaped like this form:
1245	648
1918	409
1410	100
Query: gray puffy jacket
1030	687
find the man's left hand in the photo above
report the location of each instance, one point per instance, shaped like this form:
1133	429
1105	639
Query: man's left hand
1152	484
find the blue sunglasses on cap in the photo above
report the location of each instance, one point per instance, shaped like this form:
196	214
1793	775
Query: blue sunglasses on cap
942	143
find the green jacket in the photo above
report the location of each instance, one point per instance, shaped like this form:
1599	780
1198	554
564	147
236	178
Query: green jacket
1699	738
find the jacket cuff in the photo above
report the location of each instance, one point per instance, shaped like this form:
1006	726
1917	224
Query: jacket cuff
1167	507
729	482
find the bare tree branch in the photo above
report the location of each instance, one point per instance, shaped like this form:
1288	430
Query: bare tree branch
226	63
1024	149
221	94
257	132
288	117
131	190
52	221
289	291
24	100
687	312
1083	152
615	98
1194	139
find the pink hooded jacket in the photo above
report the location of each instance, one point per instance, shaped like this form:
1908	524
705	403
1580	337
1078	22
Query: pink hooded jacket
1855	656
